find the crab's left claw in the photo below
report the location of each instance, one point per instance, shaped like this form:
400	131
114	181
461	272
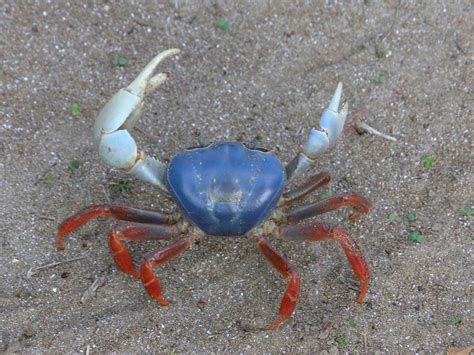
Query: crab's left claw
332	123
117	148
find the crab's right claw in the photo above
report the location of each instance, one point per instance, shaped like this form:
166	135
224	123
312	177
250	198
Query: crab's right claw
117	148
332	123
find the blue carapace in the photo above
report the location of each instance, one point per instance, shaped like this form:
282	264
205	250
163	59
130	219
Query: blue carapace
226	189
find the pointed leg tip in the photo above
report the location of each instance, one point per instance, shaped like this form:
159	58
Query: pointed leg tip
163	302
59	244
274	325
363	290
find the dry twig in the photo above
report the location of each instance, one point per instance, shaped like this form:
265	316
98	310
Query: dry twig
326	330
364	127
34	270
89	293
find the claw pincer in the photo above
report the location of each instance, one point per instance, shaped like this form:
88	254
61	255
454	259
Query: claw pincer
117	148
331	123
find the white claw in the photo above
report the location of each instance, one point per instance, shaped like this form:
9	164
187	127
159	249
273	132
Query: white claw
332	124
117	148
142	82
336	99
317	142
156	81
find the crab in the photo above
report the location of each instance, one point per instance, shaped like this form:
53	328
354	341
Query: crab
223	189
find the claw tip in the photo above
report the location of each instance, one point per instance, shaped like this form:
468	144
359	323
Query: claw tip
336	99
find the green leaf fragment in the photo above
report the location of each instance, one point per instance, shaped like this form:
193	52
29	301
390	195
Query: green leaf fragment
380	52
392	217
123	187
341	341
457	321
47	180
411	217
361	46
428	162
223	24
467	211
74	165
380	79
352	323
326	194
120	61
75	109
415	237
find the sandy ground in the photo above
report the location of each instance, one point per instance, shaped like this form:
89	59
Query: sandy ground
407	69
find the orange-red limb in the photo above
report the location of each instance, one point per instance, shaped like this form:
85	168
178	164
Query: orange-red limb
135	231
123	213
290	297
313	183
150	281
361	205
319	232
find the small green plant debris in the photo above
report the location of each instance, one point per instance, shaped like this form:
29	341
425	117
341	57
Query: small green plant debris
341	341
411	217
380	79
415	237
457	321
149	298
380	52
123	187
75	111
223	24
74	165
467	211
352	323
47	180
428	162
120	61
326	194
361	46
392	217
259	137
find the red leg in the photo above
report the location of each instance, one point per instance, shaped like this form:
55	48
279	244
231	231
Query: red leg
150	281
318	232
361	205
290	297
135	231
313	183
120	212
